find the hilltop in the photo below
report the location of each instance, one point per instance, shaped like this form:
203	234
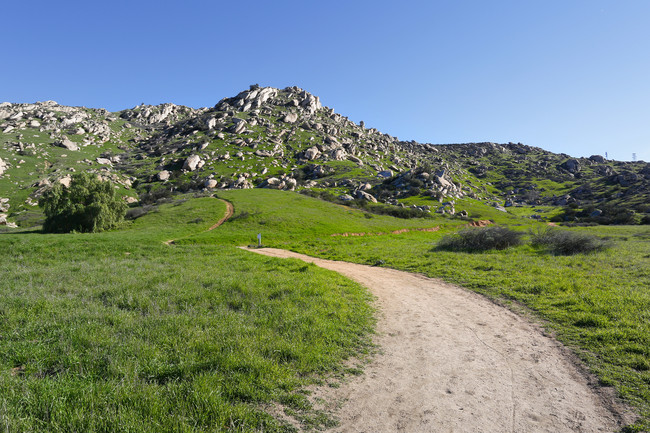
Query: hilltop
286	139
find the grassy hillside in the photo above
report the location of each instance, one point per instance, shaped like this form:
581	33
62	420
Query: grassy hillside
597	304
119	332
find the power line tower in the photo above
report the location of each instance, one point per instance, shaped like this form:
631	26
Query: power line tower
634	157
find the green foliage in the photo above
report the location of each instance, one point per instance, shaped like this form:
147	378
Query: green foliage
87	205
481	239
566	243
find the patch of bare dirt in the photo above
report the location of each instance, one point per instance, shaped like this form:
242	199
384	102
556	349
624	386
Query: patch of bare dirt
452	361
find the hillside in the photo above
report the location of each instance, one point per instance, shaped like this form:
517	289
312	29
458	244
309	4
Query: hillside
285	139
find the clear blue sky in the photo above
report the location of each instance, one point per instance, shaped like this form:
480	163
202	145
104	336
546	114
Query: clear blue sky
569	76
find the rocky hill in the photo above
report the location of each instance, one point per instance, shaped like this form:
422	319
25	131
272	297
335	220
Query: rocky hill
285	139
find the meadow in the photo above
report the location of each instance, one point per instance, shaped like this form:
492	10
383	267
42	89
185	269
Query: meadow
597	304
119	332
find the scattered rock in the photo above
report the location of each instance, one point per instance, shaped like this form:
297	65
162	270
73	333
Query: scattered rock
163	175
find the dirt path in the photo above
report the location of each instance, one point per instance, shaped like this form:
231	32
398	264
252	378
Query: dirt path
230	210
452	361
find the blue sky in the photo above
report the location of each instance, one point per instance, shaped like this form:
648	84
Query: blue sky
569	76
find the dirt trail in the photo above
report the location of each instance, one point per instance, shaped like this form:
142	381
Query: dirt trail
230	210
452	361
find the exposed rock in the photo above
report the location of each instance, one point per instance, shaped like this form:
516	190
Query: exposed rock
3	166
65	180
597	158
66	143
346	197
163	175
210	183
355	159
572	166
310	102
312	153
290	118
339	154
105	161
596	213
385	174
193	162
365	196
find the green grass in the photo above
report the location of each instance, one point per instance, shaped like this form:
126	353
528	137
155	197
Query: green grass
597	304
119	332
201	336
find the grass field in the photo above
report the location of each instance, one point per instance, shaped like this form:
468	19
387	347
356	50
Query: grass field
597	304
201	336
119	332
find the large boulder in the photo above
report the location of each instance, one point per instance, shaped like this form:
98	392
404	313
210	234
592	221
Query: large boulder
339	154
3	166
65	180
597	158
66	143
365	196
192	163
572	166
312	153
163	175
210	183
290	118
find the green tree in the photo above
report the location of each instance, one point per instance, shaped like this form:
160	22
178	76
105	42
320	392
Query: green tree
87	205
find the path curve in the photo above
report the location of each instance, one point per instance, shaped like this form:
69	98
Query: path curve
452	361
230	210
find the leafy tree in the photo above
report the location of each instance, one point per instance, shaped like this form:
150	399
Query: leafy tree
87	205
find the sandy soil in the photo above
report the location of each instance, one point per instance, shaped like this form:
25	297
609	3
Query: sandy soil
452	361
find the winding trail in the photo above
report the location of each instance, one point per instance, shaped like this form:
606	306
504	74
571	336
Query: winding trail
230	210
452	361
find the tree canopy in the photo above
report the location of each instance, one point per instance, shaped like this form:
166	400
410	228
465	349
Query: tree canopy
89	204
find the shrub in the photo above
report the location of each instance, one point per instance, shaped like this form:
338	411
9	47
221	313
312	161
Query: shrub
481	239
137	212
566	243
87	205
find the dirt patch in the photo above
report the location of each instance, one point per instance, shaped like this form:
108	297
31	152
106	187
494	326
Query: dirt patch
452	361
480	223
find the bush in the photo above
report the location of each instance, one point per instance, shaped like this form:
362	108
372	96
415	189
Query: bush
481	239
137	212
87	205
566	243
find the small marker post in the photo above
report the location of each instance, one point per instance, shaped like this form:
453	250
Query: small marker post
259	239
